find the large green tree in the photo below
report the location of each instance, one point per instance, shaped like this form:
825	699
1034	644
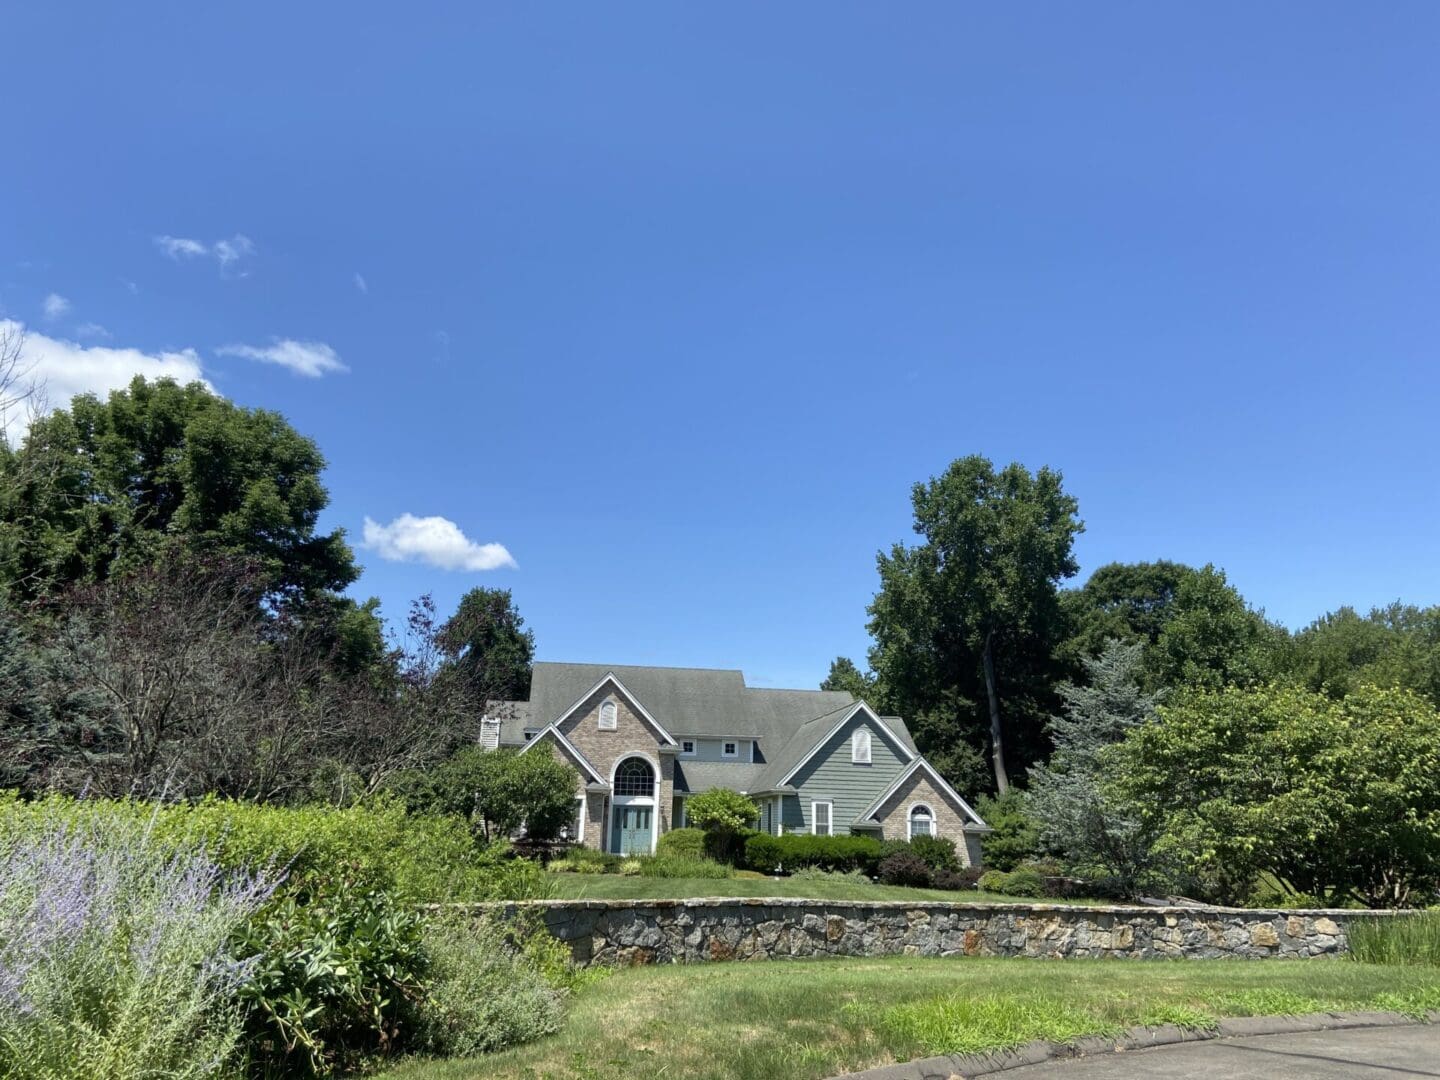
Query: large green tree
101	485
486	644
1212	639
972	613
1335	799
846	677
1398	645
1126	602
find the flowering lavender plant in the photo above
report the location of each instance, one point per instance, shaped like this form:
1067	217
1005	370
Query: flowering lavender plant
113	955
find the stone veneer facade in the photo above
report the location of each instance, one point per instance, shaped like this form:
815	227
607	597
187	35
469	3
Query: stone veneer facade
895	817
696	931
632	735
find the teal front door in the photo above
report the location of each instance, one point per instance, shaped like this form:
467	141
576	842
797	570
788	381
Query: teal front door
630	830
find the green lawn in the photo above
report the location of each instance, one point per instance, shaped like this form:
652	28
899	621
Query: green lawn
617	887
815	1018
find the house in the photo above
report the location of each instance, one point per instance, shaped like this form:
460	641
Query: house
645	739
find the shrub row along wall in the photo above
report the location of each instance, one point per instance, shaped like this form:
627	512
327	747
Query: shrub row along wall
696	931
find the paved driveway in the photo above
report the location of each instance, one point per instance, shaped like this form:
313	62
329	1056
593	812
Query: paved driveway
1394	1053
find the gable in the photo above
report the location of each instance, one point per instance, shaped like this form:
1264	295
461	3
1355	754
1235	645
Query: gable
832	753
920	780
565	751
629	712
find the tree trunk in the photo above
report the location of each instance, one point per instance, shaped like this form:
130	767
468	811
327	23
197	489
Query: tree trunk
997	740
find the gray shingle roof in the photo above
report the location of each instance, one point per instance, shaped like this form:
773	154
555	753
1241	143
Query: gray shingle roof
699	701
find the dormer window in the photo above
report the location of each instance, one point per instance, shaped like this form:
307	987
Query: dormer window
729	749
687	747
860	747
608	716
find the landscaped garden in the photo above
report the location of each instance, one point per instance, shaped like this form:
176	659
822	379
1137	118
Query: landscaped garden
816	1018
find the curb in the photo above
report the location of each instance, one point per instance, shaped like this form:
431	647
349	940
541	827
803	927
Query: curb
965	1066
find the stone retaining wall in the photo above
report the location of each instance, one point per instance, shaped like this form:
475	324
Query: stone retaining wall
695	931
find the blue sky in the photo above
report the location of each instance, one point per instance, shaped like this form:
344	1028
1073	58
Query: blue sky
675	302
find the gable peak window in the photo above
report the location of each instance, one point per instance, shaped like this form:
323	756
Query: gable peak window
922	821
609	716
860	747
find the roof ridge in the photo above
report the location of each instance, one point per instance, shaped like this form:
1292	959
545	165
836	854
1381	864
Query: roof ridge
655	667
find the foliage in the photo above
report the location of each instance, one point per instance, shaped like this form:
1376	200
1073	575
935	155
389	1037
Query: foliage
499	791
1211	639
1126	602
104	483
336	976
485	994
687	842
1018	883
418	858
721	810
1015	836
1401	939
764	852
728	847
1068	799
904	868
114	956
845	676
684	866
975	608
1397	646
815	873
962	880
1333	798
937	852
487	646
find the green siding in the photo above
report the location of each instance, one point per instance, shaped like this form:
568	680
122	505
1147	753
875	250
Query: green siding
709	750
830	776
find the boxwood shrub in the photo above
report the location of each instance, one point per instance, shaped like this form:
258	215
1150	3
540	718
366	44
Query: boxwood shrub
843	853
687	842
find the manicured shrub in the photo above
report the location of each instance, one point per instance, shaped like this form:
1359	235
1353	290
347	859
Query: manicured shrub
485	993
728	847
961	880
993	881
1023	883
814	873
689	842
114	954
336	976
938	852
683	866
905	868
765	853
721	810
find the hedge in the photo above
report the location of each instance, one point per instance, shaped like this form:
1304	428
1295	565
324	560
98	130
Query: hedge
793	852
415	857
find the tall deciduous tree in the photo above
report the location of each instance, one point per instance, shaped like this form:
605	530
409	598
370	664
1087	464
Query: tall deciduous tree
979	596
1398	645
1212	639
846	677
486	644
1125	602
102	484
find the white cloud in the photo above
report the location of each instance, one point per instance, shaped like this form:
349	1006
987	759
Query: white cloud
226	253
61	369
434	540
181	247
231	251
55	306
360	283
92	330
309	358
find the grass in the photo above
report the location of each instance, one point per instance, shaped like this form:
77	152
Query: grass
1404	939
816	1018
616	887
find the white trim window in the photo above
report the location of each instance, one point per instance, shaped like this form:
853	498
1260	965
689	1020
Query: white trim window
729	748
919	822
822	810
609	715
860	747
687	747
578	833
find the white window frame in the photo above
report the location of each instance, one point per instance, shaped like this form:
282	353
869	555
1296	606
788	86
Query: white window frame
860	746
735	753
580	816
829	817
614	709
687	747
910	820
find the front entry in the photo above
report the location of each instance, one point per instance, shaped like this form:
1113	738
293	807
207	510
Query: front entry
630	830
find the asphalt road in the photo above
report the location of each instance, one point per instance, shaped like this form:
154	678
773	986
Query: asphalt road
1394	1053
